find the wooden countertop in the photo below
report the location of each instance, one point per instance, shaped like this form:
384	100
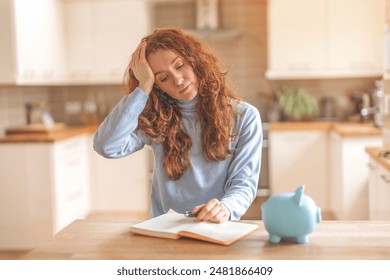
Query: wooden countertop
344	129
104	240
49	137
374	153
347	129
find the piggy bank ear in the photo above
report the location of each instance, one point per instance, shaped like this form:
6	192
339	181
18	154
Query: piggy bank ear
297	198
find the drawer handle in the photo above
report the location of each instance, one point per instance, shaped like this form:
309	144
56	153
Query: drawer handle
386	179
371	166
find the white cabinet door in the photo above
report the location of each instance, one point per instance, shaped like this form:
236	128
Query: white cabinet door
80	49
350	176
296	36
336	173
25	196
325	38
7	45
39	41
101	37
382	199
121	185
300	157
355	36
71	181
44	187
373	189
119	27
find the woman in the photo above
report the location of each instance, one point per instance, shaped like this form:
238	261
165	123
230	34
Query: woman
206	142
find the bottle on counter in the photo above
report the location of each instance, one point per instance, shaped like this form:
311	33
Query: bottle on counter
378	103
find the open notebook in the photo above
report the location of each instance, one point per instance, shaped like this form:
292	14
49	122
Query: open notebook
173	226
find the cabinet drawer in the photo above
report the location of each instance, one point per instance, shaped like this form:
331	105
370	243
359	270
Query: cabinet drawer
72	146
71	181
383	201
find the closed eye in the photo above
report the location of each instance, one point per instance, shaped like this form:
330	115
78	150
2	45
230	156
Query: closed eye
166	76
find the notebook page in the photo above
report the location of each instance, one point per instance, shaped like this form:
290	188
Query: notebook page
169	223
224	232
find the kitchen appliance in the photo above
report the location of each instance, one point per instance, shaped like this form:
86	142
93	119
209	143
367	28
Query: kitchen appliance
38	113
375	109
361	102
263	186
386	120
328	107
378	103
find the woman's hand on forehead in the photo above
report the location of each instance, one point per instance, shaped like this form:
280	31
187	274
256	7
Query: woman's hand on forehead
141	68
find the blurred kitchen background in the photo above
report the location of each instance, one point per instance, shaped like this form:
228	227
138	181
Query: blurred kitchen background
63	61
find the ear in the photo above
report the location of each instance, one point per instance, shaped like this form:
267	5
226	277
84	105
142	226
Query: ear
297	198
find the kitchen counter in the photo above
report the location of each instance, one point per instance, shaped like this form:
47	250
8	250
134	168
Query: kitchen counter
94	240
49	137
345	129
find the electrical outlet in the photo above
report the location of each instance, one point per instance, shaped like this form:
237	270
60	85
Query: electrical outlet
73	107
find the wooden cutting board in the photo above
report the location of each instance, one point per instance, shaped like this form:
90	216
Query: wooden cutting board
35	128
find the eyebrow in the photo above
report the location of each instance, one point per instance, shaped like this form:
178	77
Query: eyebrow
173	62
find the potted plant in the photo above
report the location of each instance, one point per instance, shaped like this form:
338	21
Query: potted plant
298	104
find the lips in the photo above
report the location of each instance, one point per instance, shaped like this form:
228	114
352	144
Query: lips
184	90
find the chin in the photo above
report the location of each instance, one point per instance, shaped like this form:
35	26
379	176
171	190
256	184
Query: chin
188	96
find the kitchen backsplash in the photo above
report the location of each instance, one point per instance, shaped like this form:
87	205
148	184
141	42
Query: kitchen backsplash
74	105
83	105
12	103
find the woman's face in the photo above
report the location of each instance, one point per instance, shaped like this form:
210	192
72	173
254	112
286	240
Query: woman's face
173	74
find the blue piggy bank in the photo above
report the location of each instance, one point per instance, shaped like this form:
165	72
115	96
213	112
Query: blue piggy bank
290	215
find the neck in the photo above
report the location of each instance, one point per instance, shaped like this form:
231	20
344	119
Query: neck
188	106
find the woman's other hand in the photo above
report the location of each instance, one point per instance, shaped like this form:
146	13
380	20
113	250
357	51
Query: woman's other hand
213	211
141	69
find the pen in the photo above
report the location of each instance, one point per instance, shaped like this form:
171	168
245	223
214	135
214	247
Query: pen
189	214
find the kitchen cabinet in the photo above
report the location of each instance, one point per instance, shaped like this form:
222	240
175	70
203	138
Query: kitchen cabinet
48	181
101	37
300	157
70	181
325	38
44	187
120	185
372	188
379	192
350	175
7	66
32	42
69	41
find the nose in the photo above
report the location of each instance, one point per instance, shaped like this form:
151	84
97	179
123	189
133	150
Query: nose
179	81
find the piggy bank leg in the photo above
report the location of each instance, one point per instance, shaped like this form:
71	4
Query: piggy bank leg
274	238
303	239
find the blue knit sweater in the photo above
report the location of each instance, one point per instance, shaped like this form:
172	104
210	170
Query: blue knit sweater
233	181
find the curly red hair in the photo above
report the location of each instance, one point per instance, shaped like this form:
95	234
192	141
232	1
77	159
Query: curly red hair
161	118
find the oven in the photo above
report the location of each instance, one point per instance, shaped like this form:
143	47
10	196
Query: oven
263	186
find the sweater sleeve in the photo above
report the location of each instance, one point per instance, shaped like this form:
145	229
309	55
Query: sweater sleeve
244	170
117	136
